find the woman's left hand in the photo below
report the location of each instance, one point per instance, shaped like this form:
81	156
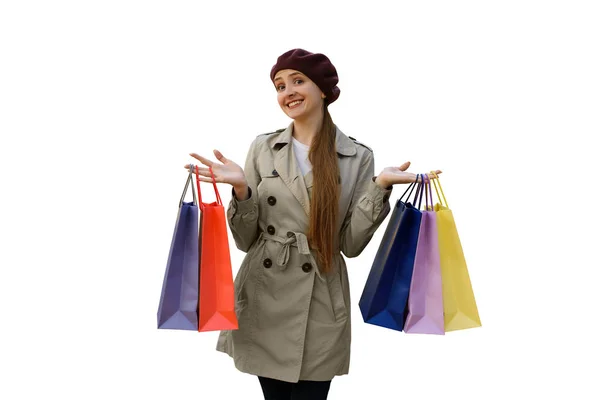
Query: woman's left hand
393	175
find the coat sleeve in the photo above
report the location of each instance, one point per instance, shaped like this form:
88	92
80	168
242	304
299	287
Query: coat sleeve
369	207
242	216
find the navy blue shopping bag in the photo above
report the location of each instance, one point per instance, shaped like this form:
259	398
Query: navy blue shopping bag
385	295
178	307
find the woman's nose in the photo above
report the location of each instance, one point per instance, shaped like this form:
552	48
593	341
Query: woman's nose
290	92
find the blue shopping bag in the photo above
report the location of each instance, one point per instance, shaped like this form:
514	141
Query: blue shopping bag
385	295
178	307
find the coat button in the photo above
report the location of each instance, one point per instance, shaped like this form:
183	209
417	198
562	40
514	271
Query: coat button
271	200
271	230
267	263
275	173
306	267
290	234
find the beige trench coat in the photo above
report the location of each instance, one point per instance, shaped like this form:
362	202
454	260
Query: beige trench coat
294	322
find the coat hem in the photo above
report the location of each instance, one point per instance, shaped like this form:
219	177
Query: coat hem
240	366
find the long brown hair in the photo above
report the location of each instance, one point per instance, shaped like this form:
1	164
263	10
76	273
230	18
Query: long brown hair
325	193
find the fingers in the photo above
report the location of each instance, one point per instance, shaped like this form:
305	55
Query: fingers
427	177
201	170
404	166
433	174
203	160
204	174
205	179
220	156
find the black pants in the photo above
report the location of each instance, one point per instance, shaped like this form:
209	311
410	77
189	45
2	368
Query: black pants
302	390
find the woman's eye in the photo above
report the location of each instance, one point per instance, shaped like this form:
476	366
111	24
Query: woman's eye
280	87
299	80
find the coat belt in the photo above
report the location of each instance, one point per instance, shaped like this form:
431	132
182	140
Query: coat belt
299	240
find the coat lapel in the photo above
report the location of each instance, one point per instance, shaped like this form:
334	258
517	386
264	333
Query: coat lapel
286	165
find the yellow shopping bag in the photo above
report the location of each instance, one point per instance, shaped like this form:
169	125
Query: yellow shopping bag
460	308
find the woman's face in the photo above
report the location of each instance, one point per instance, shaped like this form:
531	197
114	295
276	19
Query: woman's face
298	96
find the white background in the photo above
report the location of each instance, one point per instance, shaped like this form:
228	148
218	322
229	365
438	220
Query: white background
101	102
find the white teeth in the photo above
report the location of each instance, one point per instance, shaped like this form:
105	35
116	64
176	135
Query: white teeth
293	103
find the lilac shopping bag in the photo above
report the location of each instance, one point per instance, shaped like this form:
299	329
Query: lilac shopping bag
178	307
425	301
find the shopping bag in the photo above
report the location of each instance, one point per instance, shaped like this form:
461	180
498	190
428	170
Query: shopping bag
425	303
460	307
384	297
216	299
178	306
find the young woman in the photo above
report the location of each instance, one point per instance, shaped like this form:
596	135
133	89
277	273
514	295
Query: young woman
306	194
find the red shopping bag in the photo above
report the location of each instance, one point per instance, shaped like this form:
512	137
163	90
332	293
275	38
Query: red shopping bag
216	303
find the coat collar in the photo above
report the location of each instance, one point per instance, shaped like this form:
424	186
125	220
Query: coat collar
344	145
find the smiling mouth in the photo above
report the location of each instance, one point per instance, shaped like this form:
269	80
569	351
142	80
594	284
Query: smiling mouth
295	104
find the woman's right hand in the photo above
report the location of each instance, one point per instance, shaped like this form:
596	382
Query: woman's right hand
227	172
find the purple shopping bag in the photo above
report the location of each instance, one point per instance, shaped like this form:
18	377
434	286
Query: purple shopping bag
425	301
178	308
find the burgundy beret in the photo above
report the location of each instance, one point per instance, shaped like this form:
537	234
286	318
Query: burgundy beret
316	66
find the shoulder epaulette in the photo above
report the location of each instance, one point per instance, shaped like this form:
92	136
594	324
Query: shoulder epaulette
270	133
362	144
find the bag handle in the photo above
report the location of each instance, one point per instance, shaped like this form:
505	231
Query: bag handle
426	191
419	192
436	182
411	187
214	182
430	196
189	182
422	190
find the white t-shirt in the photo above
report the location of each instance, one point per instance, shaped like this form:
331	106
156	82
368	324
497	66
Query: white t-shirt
301	150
